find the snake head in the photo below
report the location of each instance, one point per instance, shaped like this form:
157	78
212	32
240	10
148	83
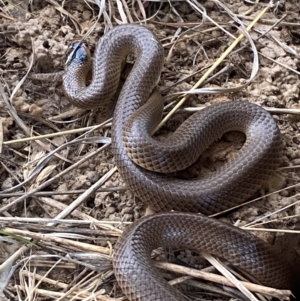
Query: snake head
78	53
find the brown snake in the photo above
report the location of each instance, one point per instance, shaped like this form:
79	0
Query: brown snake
134	120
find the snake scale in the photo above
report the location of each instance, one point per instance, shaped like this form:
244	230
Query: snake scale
146	165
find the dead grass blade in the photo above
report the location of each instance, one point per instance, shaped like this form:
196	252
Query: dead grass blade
268	291
45	184
86	194
217	63
42	164
63	11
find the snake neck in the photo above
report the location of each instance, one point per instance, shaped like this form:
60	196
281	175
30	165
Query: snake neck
74	81
109	55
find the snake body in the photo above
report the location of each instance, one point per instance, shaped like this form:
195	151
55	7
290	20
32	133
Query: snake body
132	261
132	144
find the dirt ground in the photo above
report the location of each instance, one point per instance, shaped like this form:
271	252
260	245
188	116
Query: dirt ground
72	258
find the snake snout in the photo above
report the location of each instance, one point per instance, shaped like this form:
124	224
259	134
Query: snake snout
79	53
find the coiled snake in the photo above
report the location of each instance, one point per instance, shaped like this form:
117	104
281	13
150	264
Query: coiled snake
146	165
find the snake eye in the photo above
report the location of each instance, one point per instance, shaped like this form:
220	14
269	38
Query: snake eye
78	53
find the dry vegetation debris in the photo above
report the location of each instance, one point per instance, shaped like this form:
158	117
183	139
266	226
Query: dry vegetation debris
67	172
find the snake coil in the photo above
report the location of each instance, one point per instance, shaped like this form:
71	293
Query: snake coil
143	161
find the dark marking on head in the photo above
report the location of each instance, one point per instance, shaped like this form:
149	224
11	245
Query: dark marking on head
78	53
